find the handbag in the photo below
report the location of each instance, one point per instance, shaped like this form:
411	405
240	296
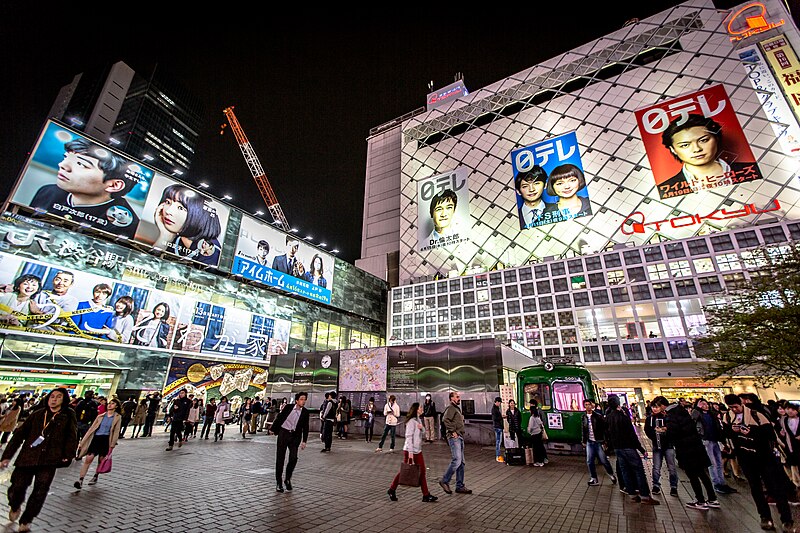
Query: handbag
544	435
409	474
105	465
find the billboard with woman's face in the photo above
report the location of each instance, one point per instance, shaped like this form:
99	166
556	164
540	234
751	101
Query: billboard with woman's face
183	221
549	181
694	142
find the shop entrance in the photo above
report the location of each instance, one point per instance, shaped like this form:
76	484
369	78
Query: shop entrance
15	379
711	393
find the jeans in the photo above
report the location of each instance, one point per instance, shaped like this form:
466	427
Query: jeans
457	464
659	456
633	472
595	449
715	454
386	429
498	436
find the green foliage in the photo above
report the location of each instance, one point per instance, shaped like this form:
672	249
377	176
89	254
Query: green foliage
758	332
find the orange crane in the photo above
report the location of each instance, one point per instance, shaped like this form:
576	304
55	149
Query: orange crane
257	171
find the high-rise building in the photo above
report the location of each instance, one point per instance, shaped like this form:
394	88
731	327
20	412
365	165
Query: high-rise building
146	114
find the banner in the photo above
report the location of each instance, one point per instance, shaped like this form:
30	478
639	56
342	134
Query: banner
214	379
281	260
694	142
550	183
74	178
443	213
784	63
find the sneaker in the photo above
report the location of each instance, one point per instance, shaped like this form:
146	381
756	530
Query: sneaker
538	464
725	489
623	490
391	450
673	491
445	487
78	484
767	525
656	489
713	504
788	527
24	527
650	501
463	490
180	444
288	483
429	498
169	449
500	459
546	460
700	506
378	450
593	482
93	481
14	515
613	479
392	495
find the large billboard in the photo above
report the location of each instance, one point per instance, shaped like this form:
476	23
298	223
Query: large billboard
362	370
443	215
550	182
694	142
214	378
281	260
75	178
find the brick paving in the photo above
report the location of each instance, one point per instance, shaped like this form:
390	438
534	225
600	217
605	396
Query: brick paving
229	486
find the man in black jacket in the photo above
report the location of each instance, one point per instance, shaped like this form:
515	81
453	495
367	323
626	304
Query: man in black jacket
594	429
328	416
497	422
85	412
291	427
625	442
179	412
153	403
655	427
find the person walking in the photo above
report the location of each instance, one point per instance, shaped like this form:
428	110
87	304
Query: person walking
193	419
709	427
10	419
655	427
291	427
100	440
429	418
128	409
453	421
593	438
153	404
221	415
208	419
85	412
46	440
412	453
245	416
369	419
139	417
536	431
179	412
392	413
499	428
328	416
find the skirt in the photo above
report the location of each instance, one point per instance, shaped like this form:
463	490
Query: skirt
99	446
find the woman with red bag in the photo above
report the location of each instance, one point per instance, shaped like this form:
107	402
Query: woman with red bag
412	454
100	440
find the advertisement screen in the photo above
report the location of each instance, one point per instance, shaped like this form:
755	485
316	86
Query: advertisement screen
362	369
443	216
549	182
183	221
694	142
282	260
214	379
72	177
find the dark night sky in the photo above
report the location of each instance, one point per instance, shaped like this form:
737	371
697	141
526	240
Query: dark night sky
306	91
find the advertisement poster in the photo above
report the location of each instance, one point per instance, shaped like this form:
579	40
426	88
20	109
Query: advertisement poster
549	182
183	221
362	369
784	63
402	369
72	177
443	215
694	142
282	260
214	379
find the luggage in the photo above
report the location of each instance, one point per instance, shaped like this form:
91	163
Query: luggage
515	456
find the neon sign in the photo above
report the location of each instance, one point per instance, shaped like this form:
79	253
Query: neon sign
684	221
754	23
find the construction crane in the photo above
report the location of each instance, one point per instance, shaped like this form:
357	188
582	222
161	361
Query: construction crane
257	171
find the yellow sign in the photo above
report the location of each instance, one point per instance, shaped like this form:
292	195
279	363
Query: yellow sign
784	63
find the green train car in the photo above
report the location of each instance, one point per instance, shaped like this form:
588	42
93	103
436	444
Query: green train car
559	390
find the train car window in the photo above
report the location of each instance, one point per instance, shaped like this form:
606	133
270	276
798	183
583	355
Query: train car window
568	396
540	392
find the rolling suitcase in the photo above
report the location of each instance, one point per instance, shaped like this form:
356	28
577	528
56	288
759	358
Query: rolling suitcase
515	457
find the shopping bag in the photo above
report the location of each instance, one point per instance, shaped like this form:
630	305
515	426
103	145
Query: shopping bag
409	474
510	443
528	456
105	465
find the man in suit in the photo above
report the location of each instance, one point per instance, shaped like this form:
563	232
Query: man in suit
291	427
288	263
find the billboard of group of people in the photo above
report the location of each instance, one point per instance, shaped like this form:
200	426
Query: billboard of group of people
73	177
282	260
46	299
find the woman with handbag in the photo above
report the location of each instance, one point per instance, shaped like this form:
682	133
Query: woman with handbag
412	471
537	432
99	440
221	417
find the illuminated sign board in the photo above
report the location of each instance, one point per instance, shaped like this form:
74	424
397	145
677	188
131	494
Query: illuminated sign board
750	20
443	210
784	63
445	95
636	222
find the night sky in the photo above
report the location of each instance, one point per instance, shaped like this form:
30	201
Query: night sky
306	90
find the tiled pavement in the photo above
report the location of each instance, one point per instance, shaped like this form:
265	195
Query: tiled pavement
229	486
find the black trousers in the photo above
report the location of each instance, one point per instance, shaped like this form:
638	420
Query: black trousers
698	477
327	433
176	431
770	471
368	433
125	423
149	420
21	478
219	431
206	426
286	440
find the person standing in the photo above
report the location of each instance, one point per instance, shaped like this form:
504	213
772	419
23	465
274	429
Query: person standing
392	413
497	424
127	412
291	427
327	414
193	419
429	418
208	419
85	412
100	440
179	412
341	413
139	417
369	419
10	419
709	428
46	440
514	418
245	416
536	431
221	415
789	431
655	427
153	405
453	421
412	453
593	438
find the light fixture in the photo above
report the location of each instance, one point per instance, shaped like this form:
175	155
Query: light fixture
227	197
203	185
323	244
335	251
294	230
147	157
308	237
259	213
177	172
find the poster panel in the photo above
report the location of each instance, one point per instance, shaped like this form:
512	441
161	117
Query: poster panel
282	260
443	212
214	379
70	176
362	369
694	142
783	60
549	181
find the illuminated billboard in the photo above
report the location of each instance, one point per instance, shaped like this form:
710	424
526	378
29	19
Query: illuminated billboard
443	213
694	142
281	260
550	183
214	378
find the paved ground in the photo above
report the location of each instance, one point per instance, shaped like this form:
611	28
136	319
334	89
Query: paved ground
229	486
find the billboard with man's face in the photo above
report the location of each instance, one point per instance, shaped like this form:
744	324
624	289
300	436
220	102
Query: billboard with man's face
443	216
694	142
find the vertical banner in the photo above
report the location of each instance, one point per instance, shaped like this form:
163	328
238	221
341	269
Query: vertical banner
784	63
443	215
550	183
694	142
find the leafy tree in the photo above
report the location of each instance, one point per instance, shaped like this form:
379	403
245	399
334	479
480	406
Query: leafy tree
758	332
